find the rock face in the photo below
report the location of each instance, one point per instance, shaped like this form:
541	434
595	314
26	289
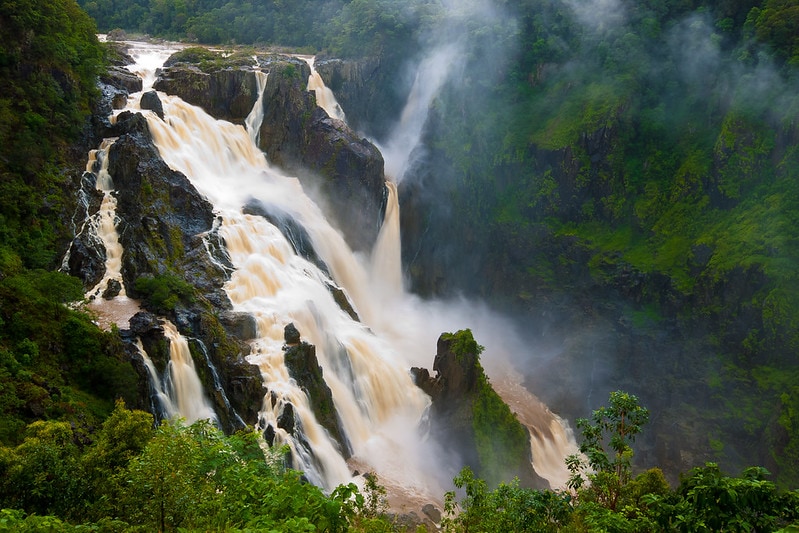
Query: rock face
296	135
367	91
163	225
162	215
470	419
227	94
86	253
300	359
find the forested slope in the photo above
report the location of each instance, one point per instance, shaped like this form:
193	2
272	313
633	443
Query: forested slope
54	362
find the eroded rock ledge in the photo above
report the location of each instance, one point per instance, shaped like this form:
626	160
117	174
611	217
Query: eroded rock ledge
295	134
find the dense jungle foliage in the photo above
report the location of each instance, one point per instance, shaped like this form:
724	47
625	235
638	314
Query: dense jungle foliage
130	477
54	362
644	158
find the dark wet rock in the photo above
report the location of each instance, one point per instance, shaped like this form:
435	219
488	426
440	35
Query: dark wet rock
291	335
241	325
227	94
162	215
432	512
143	323
269	435
152	102
286	419
300	360
343	301
112	290
121	78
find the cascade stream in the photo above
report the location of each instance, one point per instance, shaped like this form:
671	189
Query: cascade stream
365	363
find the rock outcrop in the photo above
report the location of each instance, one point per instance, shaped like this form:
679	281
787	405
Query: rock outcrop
300	136
226	94
468	417
300	359
296	135
367	90
162	216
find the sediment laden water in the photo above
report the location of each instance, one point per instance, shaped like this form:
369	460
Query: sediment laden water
365	363
324	96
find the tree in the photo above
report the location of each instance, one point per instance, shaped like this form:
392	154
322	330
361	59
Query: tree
607	447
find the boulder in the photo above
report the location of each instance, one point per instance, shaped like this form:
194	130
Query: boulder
152	102
122	79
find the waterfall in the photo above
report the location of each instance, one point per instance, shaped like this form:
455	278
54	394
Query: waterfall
430	77
162	405
104	225
179	392
182	383
372	389
365	364
324	96
256	116
386	263
220	390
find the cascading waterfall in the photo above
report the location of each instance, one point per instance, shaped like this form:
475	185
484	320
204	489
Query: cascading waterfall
108	298
365	363
430	77
372	389
181	382
162	404
105	226
324	96
256	116
180	392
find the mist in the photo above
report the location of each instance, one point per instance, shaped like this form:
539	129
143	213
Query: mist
571	349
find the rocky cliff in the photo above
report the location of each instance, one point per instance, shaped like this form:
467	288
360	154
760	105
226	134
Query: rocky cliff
167	229
295	134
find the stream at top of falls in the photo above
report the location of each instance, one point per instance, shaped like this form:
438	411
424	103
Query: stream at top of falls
365	363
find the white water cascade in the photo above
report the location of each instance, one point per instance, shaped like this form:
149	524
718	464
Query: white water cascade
104	224
183	386
431	75
365	363
256	116
324	96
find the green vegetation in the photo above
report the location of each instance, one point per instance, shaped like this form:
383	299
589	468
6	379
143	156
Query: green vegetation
125	476
163	293
128	477
605	161
610	499
610	429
